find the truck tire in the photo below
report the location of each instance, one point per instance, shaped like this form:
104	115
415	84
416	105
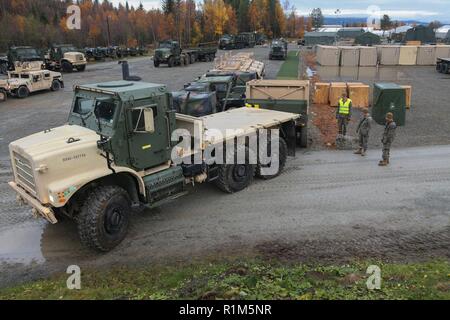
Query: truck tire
191	59
235	177
66	67
56	85
182	61
156	63
3	68
303	139
104	218
282	156
23	92
3	95
445	68
81	68
170	63
438	67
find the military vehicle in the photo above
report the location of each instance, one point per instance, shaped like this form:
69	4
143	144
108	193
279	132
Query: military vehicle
65	57
17	55
21	83
278	50
170	52
249	39
260	38
230	42
116	152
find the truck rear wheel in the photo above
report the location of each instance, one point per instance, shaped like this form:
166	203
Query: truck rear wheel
282	157
104	218
23	92
170	63
235	177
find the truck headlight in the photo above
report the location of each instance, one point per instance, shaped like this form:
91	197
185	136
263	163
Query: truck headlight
51	198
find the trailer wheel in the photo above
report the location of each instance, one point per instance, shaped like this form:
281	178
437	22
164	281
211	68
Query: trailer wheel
23	92
303	139
444	68
235	177
282	157
438	67
56	85
104	218
170	63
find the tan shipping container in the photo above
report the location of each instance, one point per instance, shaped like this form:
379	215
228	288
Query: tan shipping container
322	93
328	56
349	56
336	91
368	57
426	56
389	55
278	89
408	55
359	94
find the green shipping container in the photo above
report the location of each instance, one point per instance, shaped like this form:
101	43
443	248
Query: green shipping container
389	97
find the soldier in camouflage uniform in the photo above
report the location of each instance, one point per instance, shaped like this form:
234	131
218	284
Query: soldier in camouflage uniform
388	138
363	130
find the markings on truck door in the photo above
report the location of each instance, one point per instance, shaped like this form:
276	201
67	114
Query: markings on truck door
146	147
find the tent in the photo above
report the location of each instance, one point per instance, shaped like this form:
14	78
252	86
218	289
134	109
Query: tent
420	33
367	39
350	33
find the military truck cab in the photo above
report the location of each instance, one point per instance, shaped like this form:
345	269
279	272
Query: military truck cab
122	148
66	58
169	52
278	50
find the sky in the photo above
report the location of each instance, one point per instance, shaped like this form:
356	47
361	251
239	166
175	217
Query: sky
422	10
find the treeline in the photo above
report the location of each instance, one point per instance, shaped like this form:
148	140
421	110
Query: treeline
42	22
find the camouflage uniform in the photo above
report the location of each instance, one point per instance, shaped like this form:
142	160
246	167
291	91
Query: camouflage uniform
363	130
388	138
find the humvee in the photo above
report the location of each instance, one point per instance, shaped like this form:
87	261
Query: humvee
21	83
120	150
65	57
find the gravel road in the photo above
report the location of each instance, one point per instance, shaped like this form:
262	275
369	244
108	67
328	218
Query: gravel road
327	206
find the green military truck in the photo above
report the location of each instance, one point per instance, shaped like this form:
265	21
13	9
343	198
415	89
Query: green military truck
231	42
65	57
278	50
170	52
124	146
249	39
19	55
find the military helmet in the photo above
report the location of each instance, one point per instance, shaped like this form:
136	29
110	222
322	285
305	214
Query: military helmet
389	116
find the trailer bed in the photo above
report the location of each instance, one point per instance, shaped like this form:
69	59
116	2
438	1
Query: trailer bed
220	127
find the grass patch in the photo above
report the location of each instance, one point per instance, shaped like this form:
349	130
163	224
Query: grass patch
289	69
248	280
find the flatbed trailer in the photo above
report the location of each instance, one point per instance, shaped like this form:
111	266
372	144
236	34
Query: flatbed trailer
443	65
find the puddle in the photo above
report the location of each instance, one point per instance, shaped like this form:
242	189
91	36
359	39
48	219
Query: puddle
22	245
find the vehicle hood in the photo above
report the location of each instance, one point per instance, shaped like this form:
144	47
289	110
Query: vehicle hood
58	140
74	56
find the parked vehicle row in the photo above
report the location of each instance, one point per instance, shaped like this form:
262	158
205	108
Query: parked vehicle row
171	53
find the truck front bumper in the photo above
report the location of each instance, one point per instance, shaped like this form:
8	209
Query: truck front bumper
79	63
38	208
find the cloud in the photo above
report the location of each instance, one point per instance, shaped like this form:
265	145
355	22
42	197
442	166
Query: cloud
396	14
148	4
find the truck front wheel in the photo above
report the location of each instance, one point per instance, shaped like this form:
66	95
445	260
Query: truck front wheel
171	62
23	92
56	85
104	218
235	177
66	67
156	63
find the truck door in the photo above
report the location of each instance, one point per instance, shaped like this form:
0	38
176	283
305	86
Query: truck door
148	137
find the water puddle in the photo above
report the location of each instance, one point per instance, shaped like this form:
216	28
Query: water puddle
22	244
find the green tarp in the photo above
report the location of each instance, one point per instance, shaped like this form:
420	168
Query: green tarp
420	33
389	97
368	39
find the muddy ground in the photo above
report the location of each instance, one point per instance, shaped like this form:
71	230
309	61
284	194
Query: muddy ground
328	206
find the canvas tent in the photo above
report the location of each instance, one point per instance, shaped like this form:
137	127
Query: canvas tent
367	39
349	33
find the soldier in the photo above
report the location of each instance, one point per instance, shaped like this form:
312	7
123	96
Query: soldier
388	138
344	113
363	130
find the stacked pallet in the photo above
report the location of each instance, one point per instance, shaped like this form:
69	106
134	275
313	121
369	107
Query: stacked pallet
359	94
242	61
331	93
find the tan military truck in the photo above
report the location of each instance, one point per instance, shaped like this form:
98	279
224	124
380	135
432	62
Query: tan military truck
22	82
118	150
65	57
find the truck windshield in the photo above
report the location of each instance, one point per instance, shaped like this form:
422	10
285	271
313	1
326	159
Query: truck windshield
165	45
104	109
68	49
27	53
